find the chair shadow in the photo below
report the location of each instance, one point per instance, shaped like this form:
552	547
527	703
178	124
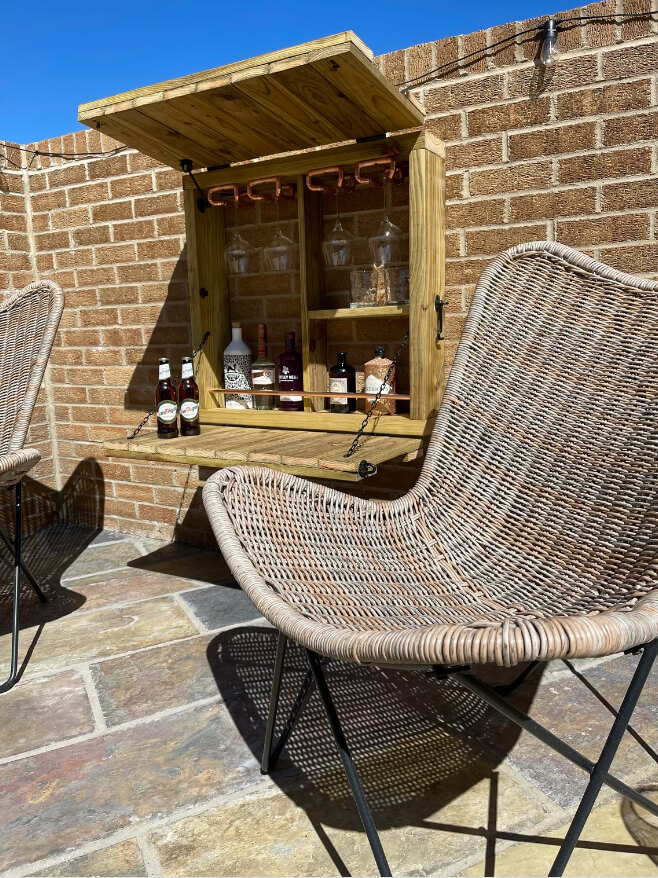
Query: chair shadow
419	742
59	527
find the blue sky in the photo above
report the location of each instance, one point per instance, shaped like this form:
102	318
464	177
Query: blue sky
58	56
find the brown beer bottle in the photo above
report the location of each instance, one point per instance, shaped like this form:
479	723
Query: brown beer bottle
165	400
188	400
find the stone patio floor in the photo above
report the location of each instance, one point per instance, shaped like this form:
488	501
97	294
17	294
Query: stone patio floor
131	744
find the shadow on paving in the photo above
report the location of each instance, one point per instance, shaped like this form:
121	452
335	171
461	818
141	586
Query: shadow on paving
418	742
73	518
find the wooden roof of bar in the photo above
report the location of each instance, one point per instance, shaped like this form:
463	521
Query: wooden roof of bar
325	91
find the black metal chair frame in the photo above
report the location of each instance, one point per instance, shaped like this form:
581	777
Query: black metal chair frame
16	547
598	771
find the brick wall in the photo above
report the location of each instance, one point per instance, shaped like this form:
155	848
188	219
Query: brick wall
567	155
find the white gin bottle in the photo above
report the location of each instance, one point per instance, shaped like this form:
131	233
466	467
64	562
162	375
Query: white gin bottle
237	371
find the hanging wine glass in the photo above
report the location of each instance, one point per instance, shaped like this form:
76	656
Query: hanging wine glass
238	253
337	244
385	245
279	254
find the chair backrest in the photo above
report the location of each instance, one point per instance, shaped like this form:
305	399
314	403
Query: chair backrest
542	470
28	323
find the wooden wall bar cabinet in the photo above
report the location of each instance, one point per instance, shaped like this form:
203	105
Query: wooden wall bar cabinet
321	104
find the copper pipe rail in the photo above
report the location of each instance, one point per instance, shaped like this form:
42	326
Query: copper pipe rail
307	393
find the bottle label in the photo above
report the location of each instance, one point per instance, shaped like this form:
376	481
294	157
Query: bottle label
163	371
167	412
264	377
189	409
291	398
187	370
335	386
237	376
373	383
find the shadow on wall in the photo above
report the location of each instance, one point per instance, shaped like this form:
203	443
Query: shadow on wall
418	742
170	337
66	522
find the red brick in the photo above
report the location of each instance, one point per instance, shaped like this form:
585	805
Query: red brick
503	55
630	129
561	202
552	141
594	231
134	231
116	210
454	186
510	179
170	225
615	98
633	28
125	187
111	166
88	194
474	43
599	165
447	52
160	248
504	117
115	253
530	43
91	235
630	61
168	179
53	241
79	258
602	33
93	276
394	67
568	73
638	259
487	212
137	272
631	193
446	127
99	317
156	204
66	176
466	93
494	241
71	218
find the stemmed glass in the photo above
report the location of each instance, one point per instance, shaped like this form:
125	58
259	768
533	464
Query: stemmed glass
385	244
238	253
279	254
337	245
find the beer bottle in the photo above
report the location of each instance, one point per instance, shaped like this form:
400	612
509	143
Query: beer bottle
188	400
165	400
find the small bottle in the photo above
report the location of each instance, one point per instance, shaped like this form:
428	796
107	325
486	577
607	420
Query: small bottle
165	400
188	400
289	367
263	372
237	370
342	378
374	372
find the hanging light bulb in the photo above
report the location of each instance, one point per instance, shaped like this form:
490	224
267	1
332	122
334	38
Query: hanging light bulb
548	53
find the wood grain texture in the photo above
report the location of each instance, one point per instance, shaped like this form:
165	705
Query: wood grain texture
382	311
385	425
321	92
317	453
311	283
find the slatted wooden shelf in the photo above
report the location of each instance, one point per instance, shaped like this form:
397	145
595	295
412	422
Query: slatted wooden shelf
359	313
303	452
325	91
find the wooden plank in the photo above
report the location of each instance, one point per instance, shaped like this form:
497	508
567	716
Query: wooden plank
311	285
350	73
359	313
293	164
193	80
374	449
426	276
315	450
207	271
386	425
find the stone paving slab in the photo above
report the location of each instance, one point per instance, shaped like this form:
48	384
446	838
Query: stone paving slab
123	858
598	852
37	712
271	836
220	606
189	562
105	632
73	795
155	679
131	586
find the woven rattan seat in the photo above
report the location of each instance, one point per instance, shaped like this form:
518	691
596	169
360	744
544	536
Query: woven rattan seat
532	531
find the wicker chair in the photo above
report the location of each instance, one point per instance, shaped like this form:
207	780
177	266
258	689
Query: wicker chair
531	534
28	323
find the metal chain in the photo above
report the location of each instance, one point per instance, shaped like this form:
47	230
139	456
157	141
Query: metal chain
373	404
197	350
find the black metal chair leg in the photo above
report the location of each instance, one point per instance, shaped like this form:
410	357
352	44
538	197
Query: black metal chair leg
26	570
281	644
605	760
13	668
348	765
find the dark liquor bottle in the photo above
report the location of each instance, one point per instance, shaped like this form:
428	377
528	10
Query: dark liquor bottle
263	371
289	366
165	400
342	378
188	400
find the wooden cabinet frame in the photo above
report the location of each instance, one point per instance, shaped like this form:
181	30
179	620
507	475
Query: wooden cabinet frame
209	297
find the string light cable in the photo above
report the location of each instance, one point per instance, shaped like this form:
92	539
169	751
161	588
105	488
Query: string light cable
551	27
559	24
